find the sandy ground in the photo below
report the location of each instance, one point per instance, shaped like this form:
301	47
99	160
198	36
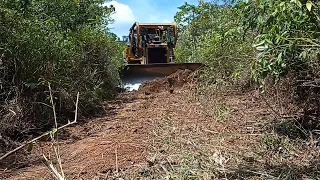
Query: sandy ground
175	133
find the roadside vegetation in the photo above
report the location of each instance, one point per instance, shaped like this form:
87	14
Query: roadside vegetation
62	43
251	113
256	43
272	47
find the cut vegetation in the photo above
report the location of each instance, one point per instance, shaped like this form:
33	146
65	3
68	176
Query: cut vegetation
181	135
251	113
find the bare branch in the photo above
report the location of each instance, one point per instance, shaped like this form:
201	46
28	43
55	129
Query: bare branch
45	134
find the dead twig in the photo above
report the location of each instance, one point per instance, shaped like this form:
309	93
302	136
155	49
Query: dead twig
116	156
53	169
45	134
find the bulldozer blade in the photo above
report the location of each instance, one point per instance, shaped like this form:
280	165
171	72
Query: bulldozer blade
134	74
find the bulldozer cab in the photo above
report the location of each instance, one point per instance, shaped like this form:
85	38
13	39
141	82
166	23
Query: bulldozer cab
151	43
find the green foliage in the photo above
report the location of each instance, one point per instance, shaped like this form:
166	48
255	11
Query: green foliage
288	34
209	34
274	36
62	43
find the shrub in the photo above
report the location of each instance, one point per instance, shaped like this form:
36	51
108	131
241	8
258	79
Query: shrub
62	43
209	33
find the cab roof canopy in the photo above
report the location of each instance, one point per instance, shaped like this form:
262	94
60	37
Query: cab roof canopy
150	25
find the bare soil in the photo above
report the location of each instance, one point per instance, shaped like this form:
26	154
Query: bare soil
188	133
169	83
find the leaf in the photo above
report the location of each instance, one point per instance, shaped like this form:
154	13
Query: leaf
303	54
236	74
268	41
297	2
259	44
309	5
31	85
279	57
262	48
30	147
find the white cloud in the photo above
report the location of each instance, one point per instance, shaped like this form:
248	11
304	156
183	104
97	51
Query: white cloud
123	17
130	11
123	13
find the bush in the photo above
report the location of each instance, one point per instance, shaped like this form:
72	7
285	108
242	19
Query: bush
209	33
69	48
288	38
261	39
288	43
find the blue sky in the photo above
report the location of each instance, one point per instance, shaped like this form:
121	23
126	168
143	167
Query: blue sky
130	11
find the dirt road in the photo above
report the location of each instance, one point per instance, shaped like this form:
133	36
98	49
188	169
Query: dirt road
180	133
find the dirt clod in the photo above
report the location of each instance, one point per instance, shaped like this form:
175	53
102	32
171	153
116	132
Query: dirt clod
177	79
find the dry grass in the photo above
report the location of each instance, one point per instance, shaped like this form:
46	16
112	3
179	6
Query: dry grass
192	134
225	136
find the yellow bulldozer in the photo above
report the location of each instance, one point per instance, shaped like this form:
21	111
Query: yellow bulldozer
150	53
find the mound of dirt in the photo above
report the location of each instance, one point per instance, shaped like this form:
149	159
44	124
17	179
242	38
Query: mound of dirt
177	79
